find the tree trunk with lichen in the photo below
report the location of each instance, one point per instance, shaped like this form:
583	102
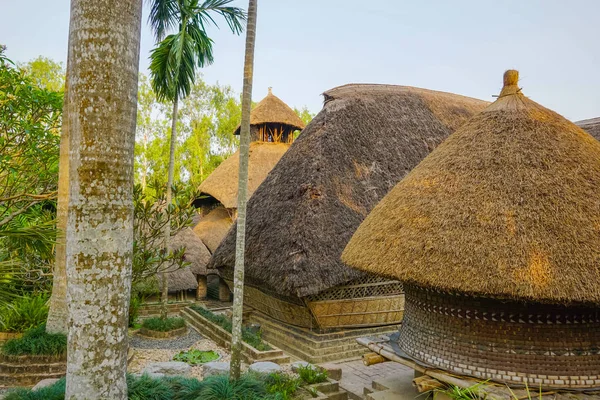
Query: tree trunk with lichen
240	245
164	296
104	38
58	312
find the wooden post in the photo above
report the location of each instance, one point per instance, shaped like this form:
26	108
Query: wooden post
202	290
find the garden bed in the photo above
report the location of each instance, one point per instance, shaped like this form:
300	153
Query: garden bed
222	337
162	335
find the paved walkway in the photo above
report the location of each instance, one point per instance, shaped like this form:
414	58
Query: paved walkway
356	376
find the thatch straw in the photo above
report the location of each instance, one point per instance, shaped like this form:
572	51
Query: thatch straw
366	138
591	126
181	279
213	227
272	109
196	252
222	184
507	207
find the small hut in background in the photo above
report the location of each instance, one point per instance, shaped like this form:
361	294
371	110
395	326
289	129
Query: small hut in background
592	126
496	238
365	139
272	127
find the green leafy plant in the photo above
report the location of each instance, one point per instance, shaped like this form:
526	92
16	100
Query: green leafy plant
163	325
196	357
24	313
283	386
311	374
134	309
253	338
37	341
53	392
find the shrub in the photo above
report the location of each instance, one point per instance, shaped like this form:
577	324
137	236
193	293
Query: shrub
311	374
53	392
163	325
134	309
195	357
282	386
24	313
254	339
248	387
37	341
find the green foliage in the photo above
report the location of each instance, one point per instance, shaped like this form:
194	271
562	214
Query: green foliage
196	357
46	73
24	313
53	392
173	62
310	374
150	216
147	388
37	341
458	393
248	387
163	325
134	309
254	339
282	386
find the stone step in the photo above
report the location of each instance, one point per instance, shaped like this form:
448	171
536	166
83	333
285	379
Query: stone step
7	368
339	395
27	379
388	395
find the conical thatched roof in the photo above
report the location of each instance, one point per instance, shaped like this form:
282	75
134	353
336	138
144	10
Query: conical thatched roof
272	109
592	126
366	138
222	184
508	207
213	227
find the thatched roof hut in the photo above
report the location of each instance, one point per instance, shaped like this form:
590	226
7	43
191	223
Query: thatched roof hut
213	227
496	237
274	114
222	184
592	126
196	254
366	138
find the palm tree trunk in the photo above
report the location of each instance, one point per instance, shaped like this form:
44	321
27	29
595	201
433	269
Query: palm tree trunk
238	274
164	297
104	39
58	312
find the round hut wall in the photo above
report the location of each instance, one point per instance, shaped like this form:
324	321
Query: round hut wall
506	341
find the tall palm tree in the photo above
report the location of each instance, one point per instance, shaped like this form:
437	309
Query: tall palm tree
104	44
240	245
173	64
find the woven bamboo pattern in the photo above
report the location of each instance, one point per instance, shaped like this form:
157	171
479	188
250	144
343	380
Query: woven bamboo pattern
359	312
367	286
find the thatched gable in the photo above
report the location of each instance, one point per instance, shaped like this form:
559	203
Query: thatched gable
213	227
222	184
272	109
366	138
507	207
591	126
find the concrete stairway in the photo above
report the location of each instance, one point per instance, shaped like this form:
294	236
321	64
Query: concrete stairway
392	388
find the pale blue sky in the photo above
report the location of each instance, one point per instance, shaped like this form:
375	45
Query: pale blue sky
305	47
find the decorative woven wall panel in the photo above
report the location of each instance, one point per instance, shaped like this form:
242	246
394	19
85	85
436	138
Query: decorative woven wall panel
278	308
368	286
543	345
359	312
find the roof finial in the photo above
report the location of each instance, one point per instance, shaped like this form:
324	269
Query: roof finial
511	80
270	89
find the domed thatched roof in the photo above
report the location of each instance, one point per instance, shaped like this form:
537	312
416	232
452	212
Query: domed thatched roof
222	184
592	126
366	138
507	207
272	109
196	254
213	227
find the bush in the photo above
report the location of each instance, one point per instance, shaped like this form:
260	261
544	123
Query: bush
311	374
37	342
248	387
163	325
196	357
24	313
282	386
134	309
254	339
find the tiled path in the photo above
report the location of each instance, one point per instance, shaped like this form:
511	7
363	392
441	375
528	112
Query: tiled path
356	376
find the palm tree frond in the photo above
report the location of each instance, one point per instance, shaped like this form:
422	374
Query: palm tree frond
163	16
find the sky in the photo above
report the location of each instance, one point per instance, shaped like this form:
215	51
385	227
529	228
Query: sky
305	47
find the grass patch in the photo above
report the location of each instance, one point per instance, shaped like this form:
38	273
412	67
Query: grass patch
311	374
248	387
37	342
254	339
163	325
196	357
